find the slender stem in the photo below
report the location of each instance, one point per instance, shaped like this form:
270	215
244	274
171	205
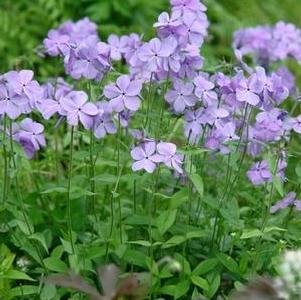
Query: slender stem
56	153
20	198
135	200
149	100
92	206
118	172
69	190
267	213
150	232
5	169
112	214
228	172
92	175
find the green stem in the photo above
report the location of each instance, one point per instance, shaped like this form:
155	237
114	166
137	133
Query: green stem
118	172
149	101
5	169
92	206
112	214
228	173
267	213
69	190
20	198
92	175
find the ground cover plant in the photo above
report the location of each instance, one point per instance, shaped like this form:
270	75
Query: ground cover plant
183	173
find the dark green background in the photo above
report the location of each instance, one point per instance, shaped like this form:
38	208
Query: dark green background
24	24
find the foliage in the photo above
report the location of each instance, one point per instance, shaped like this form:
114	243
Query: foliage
202	237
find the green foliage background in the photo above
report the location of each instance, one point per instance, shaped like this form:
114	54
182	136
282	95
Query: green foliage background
23	26
24	23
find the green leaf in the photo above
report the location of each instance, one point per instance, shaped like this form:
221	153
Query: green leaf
24	290
57	189
40	238
136	258
105	178
48	292
213	285
24	228
273	228
178	199
198	183
195	234
174	241
6	258
168	290
140	243
200	282
251	233
278	184
228	262
205	266
17	275
166	220
181	288
55	264
137	220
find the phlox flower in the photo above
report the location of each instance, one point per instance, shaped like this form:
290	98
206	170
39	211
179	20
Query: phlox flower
153	52
181	96
103	123
124	94
167	154
288	200
145	157
30	135
260	173
204	90
117	46
11	103
77	109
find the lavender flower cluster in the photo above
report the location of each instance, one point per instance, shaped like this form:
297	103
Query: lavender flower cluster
269	43
20	94
222	113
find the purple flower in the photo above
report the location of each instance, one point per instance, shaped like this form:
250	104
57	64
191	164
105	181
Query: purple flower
11	103
21	82
167	154
268	126
52	98
30	135
249	90
78	110
227	131
153	52
131	51
184	5
204	90
269	43
117	46
181	96
195	28
295	124
212	114
282	165
85	61
56	43
144	156
124	94
259	173
103	123
193	124
168	25
284	203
